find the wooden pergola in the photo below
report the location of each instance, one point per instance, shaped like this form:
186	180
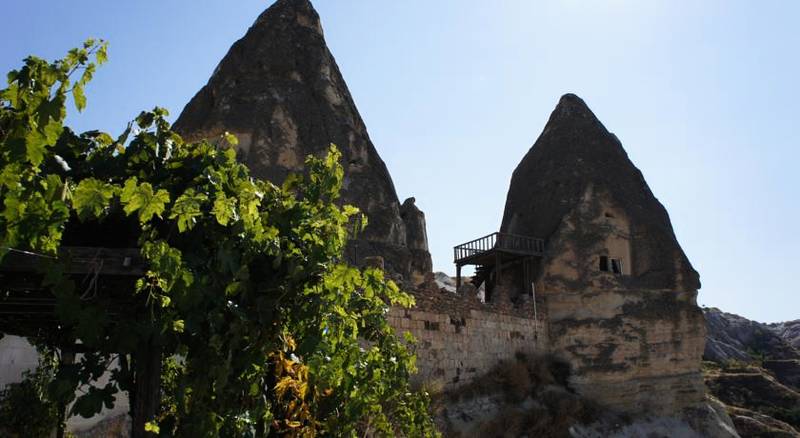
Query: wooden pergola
104	277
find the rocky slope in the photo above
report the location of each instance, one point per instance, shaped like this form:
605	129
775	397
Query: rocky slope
755	372
279	90
756	400
789	331
530	396
732	337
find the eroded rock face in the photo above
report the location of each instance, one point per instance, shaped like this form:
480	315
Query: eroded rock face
634	337
732	337
416	240
574	157
789	331
754	394
280	92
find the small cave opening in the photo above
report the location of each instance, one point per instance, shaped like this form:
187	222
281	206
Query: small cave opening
604	263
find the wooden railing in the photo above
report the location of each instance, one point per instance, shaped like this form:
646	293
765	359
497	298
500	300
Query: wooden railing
505	242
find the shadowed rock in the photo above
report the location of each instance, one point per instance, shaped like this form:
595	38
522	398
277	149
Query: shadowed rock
280	92
618	292
575	154
732	337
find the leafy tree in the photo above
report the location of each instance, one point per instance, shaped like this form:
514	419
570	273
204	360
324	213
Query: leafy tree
245	317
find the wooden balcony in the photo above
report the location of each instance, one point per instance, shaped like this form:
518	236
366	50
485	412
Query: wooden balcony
476	252
490	252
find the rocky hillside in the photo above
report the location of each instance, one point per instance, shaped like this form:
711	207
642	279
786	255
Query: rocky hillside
732	337
789	331
754	369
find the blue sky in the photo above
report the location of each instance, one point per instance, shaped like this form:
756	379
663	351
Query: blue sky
703	95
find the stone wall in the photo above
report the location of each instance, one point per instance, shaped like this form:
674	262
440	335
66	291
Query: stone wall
460	338
17	355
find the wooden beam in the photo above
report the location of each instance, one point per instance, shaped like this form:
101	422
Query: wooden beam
80	260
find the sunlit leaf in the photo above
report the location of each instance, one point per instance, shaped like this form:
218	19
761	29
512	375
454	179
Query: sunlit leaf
91	198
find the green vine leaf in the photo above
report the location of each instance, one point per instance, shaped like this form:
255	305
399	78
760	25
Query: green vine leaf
35	146
92	197
272	330
141	197
224	209
79	97
187	208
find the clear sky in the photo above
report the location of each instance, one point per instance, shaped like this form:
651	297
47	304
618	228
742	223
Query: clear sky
703	95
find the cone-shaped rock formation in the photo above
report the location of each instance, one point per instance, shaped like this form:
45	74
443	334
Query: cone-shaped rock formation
280	91
617	291
576	153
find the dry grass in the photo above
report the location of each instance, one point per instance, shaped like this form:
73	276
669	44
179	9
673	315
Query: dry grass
535	399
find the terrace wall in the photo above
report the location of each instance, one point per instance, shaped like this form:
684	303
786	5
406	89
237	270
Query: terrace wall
460	338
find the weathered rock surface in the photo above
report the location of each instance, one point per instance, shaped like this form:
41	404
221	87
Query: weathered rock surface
444	281
633	338
756	372
529	396
118	426
280	92
416	240
787	371
576	159
732	337
522	396
789	331
759	404
757	425
707	420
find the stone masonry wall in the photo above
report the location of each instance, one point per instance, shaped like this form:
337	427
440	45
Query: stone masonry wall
460	338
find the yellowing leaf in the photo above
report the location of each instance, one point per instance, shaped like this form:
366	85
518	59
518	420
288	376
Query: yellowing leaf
79	97
152	427
230	138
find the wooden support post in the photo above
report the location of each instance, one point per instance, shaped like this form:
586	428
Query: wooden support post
458	277
528	274
147	387
498	268
67	358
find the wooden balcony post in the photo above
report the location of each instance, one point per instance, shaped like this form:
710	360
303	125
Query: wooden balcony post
498	268
458	277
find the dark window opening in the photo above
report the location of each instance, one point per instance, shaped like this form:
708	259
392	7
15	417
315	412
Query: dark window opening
609	215
611	265
604	263
616	266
